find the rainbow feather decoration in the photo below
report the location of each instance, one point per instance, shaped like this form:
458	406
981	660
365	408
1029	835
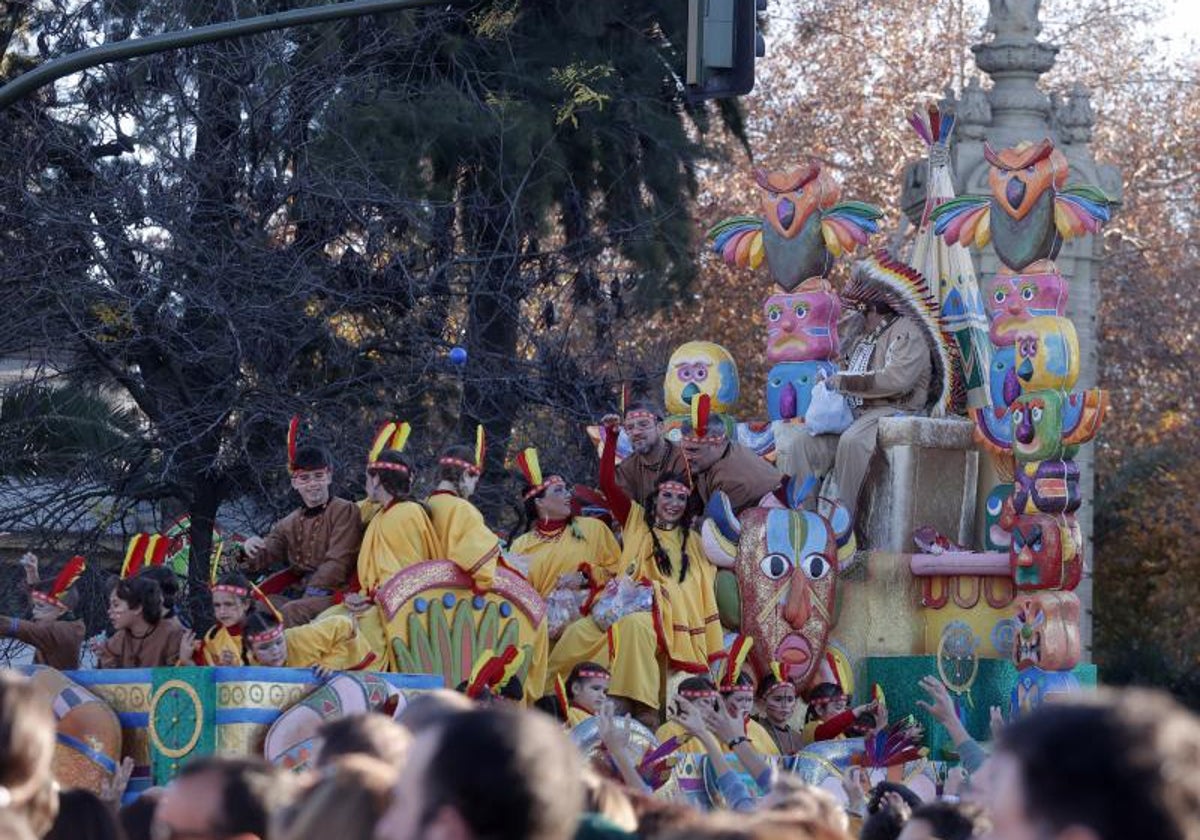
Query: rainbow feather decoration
739	241
847	225
892	746
1081	209
964	220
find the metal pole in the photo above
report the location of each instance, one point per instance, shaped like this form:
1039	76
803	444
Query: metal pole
55	69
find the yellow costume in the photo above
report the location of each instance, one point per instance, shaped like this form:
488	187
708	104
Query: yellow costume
551	556
333	642
683	625
217	641
398	536
576	716
465	538
760	739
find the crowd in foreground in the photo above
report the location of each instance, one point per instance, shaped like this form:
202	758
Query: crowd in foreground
1112	766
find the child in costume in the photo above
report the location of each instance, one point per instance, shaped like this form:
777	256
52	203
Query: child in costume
559	550
701	692
829	715
777	697
54	633
143	638
737	693
585	689
662	551
233	599
399	534
464	536
325	645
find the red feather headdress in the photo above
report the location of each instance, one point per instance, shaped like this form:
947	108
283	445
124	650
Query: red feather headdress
65	579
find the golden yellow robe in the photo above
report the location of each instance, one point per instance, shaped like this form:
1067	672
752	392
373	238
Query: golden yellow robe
333	642
552	557
683	629
760	739
218	640
465	538
576	716
398	536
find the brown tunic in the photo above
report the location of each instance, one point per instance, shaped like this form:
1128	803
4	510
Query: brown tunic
899	373
157	648
637	474
744	476
320	545
56	642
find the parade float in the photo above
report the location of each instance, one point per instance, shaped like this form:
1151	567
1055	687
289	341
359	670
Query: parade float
974	549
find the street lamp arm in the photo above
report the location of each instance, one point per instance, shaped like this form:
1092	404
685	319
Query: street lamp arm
57	68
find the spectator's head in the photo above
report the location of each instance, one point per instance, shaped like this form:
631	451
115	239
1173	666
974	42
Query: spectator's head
587	686
168	585
457	467
134	603
312	475
232	599
884	823
876	799
83	816
643	425
1116	765
345	803
265	635
26	749
137	817
14	827
500	773
605	797
792	798
431	708
223	797
945	821
374	735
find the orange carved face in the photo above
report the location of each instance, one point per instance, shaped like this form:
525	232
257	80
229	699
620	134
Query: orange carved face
792	196
1020	175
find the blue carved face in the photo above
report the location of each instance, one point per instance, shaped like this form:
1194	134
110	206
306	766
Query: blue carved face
789	387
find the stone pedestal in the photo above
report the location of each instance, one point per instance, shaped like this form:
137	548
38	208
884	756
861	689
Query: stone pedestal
924	473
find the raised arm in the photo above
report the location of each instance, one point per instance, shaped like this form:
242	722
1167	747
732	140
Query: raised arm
618	502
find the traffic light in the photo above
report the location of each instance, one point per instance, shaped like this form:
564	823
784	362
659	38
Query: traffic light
722	42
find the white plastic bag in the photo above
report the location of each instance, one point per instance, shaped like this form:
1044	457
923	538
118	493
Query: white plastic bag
828	412
621	596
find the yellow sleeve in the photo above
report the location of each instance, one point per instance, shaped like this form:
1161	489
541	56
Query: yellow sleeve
328	641
466	538
605	551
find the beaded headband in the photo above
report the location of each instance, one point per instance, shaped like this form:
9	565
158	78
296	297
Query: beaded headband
594	675
387	465
229	588
779	685
825	701
538	488
676	486
45	599
269	635
698	693
459	462
744	687
639	413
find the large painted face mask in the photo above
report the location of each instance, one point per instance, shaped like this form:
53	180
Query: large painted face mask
1013	298
1047	632
700	367
802	327
786	563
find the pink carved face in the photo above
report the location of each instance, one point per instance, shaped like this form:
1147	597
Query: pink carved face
786	568
802	327
1013	298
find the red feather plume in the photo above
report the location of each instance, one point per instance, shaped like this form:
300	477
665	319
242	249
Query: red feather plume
293	432
70	573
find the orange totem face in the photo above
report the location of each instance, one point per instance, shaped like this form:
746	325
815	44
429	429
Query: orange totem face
1020	175
786	568
791	197
1047	634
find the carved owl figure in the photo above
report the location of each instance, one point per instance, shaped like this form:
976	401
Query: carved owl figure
802	228
701	367
1030	211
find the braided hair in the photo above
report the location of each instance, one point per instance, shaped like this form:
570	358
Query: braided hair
661	559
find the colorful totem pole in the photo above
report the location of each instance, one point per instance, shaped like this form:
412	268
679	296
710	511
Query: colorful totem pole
801	230
1036	422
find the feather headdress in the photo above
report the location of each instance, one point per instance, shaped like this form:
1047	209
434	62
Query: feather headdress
63	581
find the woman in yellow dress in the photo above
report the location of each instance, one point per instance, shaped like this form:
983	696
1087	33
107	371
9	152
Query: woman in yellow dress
464	536
682	630
559	551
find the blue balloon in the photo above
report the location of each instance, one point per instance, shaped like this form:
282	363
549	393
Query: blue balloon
458	356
